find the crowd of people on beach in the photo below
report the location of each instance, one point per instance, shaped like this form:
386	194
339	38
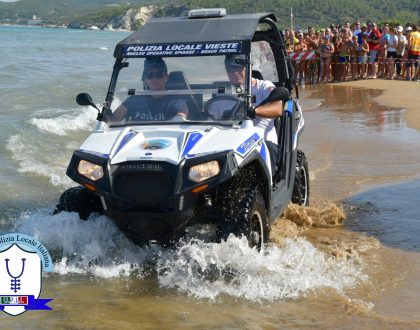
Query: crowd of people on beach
355	51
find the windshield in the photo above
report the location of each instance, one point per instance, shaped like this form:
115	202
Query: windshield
179	89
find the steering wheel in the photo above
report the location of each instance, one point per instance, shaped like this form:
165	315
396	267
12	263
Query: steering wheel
232	103
193	107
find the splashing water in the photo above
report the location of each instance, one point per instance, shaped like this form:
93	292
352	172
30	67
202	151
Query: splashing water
204	270
93	247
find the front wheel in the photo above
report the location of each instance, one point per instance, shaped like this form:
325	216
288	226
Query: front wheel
80	200
300	194
249	218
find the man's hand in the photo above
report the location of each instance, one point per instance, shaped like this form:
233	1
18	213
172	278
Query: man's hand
251	112
178	118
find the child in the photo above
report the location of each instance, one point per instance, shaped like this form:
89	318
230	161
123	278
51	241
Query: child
354	54
363	57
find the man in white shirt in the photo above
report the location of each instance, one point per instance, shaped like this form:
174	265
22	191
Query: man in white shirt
263	116
357	29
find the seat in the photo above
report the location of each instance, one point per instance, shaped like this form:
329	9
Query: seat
257	75
177	81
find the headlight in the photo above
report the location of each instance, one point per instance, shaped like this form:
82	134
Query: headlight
91	171
201	172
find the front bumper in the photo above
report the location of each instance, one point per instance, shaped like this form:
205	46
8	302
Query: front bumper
151	199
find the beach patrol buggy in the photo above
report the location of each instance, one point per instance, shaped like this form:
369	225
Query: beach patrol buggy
155	175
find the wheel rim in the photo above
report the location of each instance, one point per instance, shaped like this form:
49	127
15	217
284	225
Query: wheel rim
256	237
303	186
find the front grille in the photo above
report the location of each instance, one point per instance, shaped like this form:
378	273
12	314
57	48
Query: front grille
146	188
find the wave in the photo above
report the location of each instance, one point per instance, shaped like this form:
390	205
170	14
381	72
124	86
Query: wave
66	123
40	157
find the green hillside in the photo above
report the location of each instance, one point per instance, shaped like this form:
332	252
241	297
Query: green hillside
63	11
306	12
322	12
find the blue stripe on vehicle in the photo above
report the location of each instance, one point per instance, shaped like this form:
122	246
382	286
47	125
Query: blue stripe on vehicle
289	108
245	146
125	140
192	140
263	152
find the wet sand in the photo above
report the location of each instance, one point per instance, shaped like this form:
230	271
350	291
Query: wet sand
355	161
396	94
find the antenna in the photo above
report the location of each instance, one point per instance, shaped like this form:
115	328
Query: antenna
291	19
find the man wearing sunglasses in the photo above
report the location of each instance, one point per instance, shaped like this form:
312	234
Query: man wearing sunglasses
262	116
153	107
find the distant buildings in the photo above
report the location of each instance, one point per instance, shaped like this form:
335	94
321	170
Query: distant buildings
35	21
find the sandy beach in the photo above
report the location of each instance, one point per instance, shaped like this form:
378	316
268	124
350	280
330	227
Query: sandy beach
397	94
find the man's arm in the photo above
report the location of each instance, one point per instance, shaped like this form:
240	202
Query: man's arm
270	110
175	109
119	114
182	108
183	111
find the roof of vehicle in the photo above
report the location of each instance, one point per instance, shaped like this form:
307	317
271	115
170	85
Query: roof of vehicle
175	30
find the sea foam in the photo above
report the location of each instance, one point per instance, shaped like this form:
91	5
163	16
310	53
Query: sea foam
64	124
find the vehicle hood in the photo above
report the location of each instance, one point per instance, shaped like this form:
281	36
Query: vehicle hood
167	144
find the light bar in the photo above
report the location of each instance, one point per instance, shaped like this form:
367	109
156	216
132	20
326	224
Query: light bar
207	12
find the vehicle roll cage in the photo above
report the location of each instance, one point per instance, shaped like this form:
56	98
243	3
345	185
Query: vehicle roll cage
272	36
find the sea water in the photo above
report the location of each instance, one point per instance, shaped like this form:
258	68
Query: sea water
42	70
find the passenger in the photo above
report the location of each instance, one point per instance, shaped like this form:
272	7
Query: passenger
152	107
265	114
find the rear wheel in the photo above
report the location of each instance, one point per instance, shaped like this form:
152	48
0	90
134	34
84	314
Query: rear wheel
80	200
300	194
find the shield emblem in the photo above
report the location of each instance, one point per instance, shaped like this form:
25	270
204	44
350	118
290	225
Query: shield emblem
20	275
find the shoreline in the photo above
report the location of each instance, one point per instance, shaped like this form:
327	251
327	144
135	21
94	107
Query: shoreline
396	94
61	27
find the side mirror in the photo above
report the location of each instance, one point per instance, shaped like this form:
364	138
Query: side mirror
85	99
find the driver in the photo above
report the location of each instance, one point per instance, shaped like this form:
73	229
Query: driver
152	107
264	114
